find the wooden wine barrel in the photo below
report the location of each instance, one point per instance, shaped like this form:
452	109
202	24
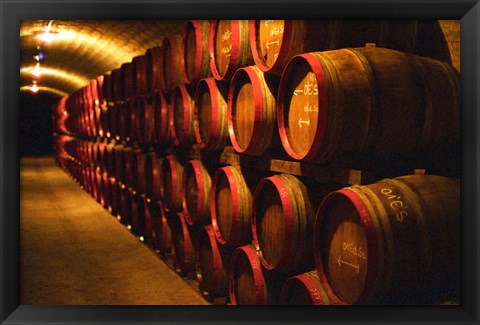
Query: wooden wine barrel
99	148
162	237
124	206
196	185
137	217
140	183
107	86
396	241
248	282
229	47
120	163
181	116
124	119
195	53
153	164
275	42
115	85
130	168
114	196
145	121
161	108
351	105
126	83
98	193
135	120
211	264
304	289
86	180
283	220
152	76
171	184
109	159
95	112
210	114
420	37
231	207
91	87
139	76
183	252
113	116
146	227
172	62
251	114
104	121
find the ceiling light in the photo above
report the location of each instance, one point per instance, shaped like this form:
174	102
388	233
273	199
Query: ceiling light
37	72
47	37
34	88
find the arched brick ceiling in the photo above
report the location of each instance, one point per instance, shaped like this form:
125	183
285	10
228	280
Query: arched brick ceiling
86	48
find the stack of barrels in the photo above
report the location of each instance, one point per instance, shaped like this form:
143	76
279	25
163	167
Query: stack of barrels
145	140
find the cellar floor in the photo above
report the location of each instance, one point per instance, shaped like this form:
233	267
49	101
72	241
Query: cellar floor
72	251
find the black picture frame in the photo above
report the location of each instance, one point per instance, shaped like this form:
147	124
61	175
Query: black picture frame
12	12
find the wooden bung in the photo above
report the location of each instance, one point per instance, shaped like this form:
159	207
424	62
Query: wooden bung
195	37
229	47
210	114
351	105
396	241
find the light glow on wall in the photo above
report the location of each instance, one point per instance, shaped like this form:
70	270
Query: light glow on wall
66	77
45	89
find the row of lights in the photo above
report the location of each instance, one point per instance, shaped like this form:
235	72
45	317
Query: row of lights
46	37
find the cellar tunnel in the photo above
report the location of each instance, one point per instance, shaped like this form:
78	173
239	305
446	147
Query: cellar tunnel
159	158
